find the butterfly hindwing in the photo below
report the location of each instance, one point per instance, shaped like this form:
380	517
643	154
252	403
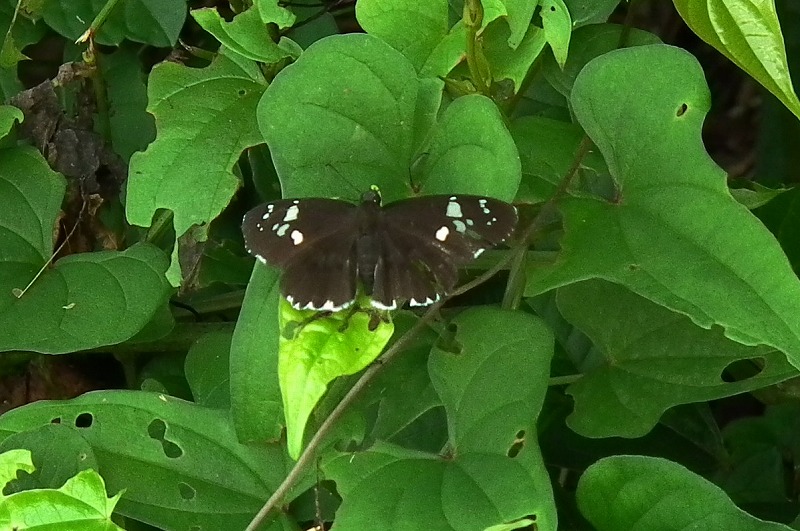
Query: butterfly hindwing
323	277
426	239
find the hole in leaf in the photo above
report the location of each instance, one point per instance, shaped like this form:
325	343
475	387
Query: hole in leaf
186	491
84	420
740	370
171	450
517	445
56	420
290	330
242	92
682	109
157	430
633	267
447	341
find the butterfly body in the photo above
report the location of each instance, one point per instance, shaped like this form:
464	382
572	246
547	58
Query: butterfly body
407	250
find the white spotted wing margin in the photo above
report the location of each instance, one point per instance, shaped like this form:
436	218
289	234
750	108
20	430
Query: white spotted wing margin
427	239
314	242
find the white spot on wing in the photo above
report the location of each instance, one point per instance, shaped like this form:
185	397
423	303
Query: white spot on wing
381	306
297	237
328	306
427	302
261	259
477	253
282	230
291	213
442	233
454	210
459	225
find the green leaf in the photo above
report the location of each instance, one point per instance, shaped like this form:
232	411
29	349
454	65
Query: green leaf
272	12
85	300
9	115
492	464
659	235
400	405
635	492
748	33
754	475
58	453
471	141
80	503
518	17
146	439
590	12
782	218
132	128
18	31
587	43
411	27
256	404
756	197
547	151
383	117
314	350
208	369
11	462
188	169
557	28
651	360
246	35
10	54
512	63
153	22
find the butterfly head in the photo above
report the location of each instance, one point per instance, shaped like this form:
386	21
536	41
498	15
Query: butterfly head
372	196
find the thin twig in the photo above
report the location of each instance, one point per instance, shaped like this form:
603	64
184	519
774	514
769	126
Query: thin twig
98	21
326	427
19	293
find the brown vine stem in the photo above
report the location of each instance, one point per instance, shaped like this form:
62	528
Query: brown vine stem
326	427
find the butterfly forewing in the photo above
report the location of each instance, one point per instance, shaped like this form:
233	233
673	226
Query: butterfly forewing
312	240
460	225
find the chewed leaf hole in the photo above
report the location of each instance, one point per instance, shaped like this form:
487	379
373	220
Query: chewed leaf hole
56	420
290	330
186	491
740	370
157	429
448	342
84	420
517	445
682	109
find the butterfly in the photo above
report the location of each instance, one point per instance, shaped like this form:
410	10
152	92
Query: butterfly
408	250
